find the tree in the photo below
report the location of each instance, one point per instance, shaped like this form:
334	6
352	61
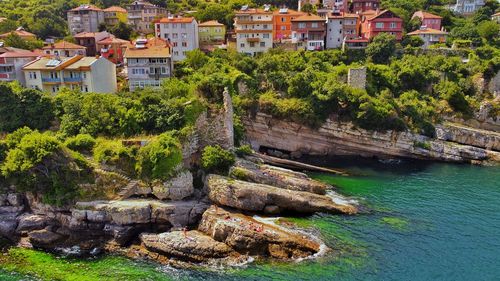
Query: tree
382	48
412	41
7	25
160	158
122	30
216	159
488	29
308	8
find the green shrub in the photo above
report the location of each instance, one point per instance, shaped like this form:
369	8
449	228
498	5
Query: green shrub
216	159
159	158
424	145
243	150
15	137
81	143
239	173
114	153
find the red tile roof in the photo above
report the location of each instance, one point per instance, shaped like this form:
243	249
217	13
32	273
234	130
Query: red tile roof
309	17
211	23
427	31
86	7
20	33
425	15
63	45
115	9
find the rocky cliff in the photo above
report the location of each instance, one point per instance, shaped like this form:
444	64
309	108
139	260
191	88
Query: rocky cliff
454	143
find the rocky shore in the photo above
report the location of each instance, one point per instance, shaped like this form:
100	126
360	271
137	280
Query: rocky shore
215	223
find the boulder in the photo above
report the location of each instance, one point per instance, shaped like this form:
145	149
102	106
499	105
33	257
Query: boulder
29	222
190	246
255	197
8	225
249	236
15	199
177	188
278	177
44	238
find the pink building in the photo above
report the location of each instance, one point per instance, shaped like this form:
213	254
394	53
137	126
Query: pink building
428	20
375	22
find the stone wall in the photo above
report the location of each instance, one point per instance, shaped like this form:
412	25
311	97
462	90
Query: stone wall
356	77
344	138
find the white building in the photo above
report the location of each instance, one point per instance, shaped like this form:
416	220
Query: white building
467	7
12	62
180	32
148	62
88	74
254	30
430	36
340	28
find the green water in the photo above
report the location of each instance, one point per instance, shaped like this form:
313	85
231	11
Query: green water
427	222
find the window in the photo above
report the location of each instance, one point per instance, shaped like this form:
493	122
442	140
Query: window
175	44
242	45
314	25
174	35
163	70
174	25
86	88
176	53
184	35
302	25
379	25
265	35
184	44
85	75
166	36
393	25
262	44
265	26
252	44
283	27
183	25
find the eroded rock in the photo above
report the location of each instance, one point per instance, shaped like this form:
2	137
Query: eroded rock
255	197
249	236
177	188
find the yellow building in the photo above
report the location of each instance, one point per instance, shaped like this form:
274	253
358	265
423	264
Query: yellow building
211	32
113	15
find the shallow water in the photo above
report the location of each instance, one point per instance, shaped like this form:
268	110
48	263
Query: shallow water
427	222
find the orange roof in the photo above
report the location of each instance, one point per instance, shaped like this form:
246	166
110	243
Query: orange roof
87	34
21	54
427	31
211	23
86	7
20	33
425	15
63	45
309	17
252	11
155	48
113	40
176	20
376	15
115	9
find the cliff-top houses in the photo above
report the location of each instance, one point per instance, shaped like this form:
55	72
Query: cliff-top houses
254	30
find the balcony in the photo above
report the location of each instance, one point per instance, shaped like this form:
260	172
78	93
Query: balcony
253	39
51	80
72	79
5	76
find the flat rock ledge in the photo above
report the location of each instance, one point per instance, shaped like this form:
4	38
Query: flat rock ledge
275	176
190	246
251	237
269	199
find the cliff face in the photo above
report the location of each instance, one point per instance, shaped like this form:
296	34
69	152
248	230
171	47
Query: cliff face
343	138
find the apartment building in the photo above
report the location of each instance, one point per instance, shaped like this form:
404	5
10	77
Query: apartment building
211	32
254	30
141	15
375	22
148	62
341	27
12	62
467	7
89	40
282	23
428	20
181	32
309	32
113	15
88	74
64	49
360	6
85	18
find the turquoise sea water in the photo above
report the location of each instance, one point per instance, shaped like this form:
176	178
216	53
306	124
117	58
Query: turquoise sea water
426	222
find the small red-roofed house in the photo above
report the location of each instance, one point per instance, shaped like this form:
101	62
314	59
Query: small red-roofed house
428	20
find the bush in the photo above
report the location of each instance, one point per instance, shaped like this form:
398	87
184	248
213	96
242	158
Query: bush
15	137
159	159
81	143
243	150
216	159
114	153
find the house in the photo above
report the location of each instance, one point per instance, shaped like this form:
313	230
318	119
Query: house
21	33
496	17
375	22
309	31
340	27
428	20
148	62
336	6
467	7
282	23
254	30
87	74
430	36
85	18
360	6
141	15
180	32
211	32
89	41
113	15
113	49
12	61
64	49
